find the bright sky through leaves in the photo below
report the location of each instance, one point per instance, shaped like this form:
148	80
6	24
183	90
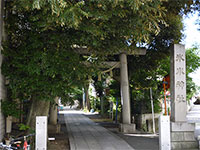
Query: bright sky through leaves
192	34
192	37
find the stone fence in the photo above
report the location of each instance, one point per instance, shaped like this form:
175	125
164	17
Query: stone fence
144	122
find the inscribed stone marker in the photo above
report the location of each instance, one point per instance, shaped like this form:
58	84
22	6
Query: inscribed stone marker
178	83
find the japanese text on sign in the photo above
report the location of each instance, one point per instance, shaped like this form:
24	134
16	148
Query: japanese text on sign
180	57
180	71
180	84
180	98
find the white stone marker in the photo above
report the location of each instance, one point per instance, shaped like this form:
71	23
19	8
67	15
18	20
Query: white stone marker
125	97
41	133
8	124
164	133
178	84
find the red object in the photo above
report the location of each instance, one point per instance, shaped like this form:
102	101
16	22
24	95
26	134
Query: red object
25	145
166	81
165	97
166	85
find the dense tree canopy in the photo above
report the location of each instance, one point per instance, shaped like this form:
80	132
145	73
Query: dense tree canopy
99	25
40	58
41	35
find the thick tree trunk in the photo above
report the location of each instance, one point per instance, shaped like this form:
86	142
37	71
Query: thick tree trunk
53	117
38	108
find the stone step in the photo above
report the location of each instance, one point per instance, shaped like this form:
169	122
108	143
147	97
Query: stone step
195	107
194	112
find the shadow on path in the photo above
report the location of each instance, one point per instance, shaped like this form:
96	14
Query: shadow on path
136	141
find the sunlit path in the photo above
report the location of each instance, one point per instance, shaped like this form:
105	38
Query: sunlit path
84	134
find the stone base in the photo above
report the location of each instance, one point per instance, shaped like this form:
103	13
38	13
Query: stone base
184	145
182	136
54	128
127	128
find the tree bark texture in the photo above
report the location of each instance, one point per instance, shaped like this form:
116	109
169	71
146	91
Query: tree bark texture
86	90
38	108
54	112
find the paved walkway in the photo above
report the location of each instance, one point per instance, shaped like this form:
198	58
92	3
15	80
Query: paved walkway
84	134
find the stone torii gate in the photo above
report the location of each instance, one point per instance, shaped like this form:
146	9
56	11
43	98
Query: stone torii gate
126	126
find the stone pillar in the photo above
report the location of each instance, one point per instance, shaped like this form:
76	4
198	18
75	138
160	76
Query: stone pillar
54	113
182	133
126	125
178	84
124	85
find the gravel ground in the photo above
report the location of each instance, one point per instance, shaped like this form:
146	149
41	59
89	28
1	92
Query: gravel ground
61	141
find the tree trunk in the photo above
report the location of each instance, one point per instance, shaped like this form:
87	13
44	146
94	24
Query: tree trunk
53	117
102	105
87	98
38	108
84	103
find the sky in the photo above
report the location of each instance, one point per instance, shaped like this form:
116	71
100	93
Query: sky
192	36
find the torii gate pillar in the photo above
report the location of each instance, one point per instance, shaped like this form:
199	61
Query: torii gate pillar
126	125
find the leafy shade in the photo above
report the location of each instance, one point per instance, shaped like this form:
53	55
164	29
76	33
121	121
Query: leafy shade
192	64
42	65
9	108
40	60
101	25
39	56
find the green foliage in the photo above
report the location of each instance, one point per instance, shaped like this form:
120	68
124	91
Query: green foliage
41	63
142	102
192	59
115	90
95	102
145	77
23	127
192	64
10	108
40	58
97	23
